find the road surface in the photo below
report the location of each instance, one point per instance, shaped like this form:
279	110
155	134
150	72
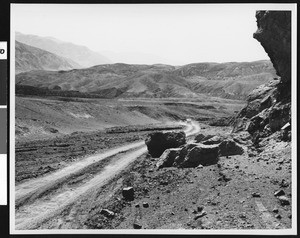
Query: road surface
40	199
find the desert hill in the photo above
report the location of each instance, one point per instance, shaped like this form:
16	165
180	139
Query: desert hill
80	54
31	58
228	80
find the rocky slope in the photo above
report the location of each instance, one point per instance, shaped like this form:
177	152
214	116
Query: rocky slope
80	54
228	80
269	107
29	58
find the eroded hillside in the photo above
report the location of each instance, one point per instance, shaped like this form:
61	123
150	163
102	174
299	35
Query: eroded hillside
227	80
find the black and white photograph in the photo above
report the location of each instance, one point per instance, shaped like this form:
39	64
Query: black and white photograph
153	119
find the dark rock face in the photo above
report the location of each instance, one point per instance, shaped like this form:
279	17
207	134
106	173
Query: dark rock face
269	106
274	34
158	142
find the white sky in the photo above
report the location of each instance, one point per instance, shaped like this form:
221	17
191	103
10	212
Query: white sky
148	33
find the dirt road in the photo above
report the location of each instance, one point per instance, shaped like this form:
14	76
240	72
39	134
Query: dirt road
40	199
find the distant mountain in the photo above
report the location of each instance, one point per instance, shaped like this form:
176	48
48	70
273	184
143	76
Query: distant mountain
29	58
227	80
79	54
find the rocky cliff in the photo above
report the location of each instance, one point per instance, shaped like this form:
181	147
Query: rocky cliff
269	107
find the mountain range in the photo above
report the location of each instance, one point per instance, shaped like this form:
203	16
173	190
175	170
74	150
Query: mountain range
81	55
232	80
29	58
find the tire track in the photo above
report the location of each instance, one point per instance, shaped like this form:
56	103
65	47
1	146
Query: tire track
30	216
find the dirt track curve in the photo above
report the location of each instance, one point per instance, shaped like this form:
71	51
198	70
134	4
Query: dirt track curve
42	198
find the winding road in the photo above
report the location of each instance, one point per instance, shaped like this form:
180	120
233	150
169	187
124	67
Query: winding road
40	199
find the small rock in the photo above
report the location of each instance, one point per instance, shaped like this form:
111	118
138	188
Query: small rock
275	210
202	214
186	209
279	193
137	205
164	182
128	193
107	213
290	216
236	166
278	168
200	166
172	213
145	204
137	226
284	200
200	209
242	216
278	216
255	195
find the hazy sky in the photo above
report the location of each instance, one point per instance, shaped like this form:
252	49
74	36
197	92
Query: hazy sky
149	33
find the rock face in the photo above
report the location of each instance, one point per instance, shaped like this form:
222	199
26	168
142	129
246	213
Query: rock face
274	34
158	142
269	106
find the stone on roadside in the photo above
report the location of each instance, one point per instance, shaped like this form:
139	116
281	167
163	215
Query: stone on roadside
202	214
137	226
279	193
201	154
255	195
107	213
275	210
158	142
128	193
168	157
278	216
284	200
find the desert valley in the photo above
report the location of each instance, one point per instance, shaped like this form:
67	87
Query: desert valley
103	145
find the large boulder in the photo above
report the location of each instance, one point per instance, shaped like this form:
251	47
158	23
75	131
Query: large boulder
229	147
201	154
158	142
168	157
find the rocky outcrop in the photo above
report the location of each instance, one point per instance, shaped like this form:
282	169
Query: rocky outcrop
158	142
269	106
274	34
